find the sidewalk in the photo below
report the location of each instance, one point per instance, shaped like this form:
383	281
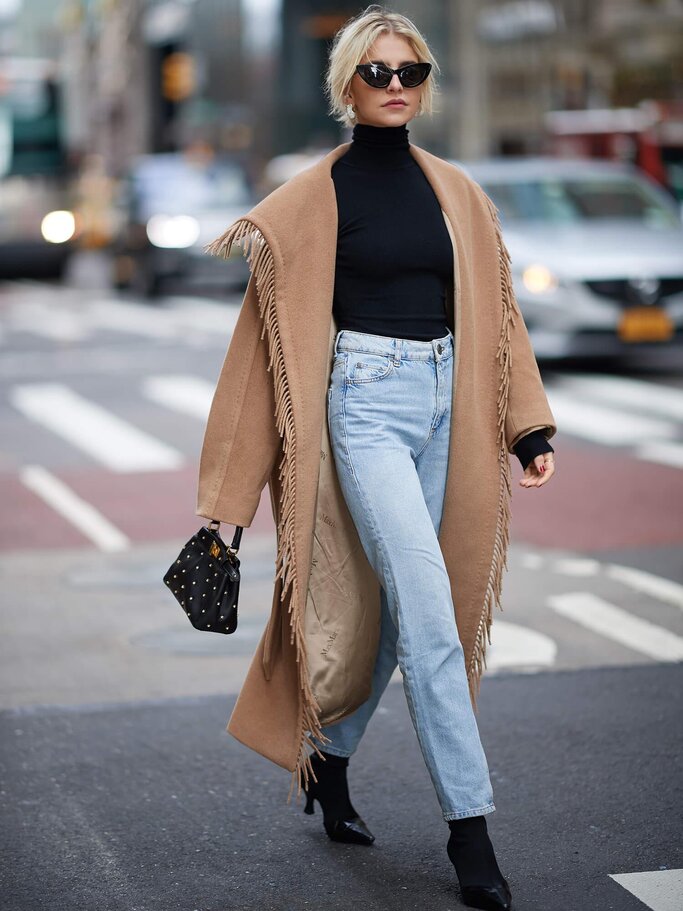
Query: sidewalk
89	627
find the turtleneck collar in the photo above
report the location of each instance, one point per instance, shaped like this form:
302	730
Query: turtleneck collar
379	148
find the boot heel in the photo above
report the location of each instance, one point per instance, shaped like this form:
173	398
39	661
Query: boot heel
341	823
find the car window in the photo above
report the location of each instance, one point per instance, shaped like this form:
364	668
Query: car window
580	199
176	187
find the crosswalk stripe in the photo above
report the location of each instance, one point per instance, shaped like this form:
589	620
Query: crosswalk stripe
670	454
52	322
602	424
662	589
601	617
104	436
186	394
89	521
516	646
198	313
659	890
66	317
651	398
132	318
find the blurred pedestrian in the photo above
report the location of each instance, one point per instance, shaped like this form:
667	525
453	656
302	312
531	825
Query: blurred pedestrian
429	383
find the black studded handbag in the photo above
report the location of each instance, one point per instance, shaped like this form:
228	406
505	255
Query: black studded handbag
205	579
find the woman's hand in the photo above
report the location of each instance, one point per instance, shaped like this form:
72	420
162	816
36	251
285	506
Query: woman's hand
539	471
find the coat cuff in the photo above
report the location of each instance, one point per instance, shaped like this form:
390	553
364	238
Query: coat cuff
531	445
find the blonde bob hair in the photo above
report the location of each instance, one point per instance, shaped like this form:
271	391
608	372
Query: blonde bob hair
353	41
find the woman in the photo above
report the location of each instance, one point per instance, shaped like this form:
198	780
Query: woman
346	336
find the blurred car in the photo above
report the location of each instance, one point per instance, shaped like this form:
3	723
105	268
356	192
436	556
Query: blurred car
282	168
596	250
171	205
38	228
38	225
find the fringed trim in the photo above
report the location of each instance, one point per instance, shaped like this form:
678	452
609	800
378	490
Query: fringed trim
261	264
500	547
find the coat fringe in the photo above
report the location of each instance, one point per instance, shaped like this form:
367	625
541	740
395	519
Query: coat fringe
502	536
259	255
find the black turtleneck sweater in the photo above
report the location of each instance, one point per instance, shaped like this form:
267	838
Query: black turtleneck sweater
394	264
394	254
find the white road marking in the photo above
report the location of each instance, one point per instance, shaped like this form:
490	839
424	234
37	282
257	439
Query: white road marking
605	425
532	560
75	317
104	436
659	890
200	313
120	316
670	454
518	647
575	566
82	515
186	394
513	648
647	583
55	323
620	626
652	398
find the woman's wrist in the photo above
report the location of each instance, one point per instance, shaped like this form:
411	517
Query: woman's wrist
531	445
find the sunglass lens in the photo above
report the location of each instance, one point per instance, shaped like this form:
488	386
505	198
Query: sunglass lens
415	74
376	76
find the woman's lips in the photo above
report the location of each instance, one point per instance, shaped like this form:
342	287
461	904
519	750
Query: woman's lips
395	104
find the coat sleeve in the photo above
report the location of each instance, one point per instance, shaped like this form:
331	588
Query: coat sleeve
241	441
527	407
531	445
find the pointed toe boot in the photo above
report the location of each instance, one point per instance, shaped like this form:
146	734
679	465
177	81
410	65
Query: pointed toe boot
469	848
489	898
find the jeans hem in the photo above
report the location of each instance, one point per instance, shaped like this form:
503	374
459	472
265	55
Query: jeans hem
461	814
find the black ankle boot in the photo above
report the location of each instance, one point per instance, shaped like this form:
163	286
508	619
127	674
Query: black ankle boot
481	883
341	821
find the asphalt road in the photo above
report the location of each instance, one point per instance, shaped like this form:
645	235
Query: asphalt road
120	788
154	806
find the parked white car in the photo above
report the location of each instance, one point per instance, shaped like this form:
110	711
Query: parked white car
597	253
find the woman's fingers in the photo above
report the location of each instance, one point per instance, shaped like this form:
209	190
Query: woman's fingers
539	471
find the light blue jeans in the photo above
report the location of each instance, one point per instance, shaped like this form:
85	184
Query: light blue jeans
389	413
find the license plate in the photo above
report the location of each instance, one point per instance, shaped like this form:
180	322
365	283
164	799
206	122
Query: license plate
645	324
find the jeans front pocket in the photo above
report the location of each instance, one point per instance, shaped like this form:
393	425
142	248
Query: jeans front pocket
363	367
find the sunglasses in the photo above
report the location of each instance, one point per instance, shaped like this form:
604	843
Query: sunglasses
379	76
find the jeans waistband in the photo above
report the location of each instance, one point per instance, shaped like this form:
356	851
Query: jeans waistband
438	349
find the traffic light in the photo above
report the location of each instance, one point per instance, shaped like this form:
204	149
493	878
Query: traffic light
177	76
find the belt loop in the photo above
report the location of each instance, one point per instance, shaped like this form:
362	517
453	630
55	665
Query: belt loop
397	352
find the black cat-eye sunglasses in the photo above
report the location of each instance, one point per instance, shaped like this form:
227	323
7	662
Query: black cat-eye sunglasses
379	76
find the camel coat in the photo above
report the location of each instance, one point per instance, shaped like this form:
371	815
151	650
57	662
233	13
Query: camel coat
267	425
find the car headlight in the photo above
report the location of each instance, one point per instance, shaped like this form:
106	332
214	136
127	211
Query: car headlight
172	230
539	279
58	227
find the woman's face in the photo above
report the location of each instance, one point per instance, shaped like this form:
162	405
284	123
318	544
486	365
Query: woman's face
373	105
